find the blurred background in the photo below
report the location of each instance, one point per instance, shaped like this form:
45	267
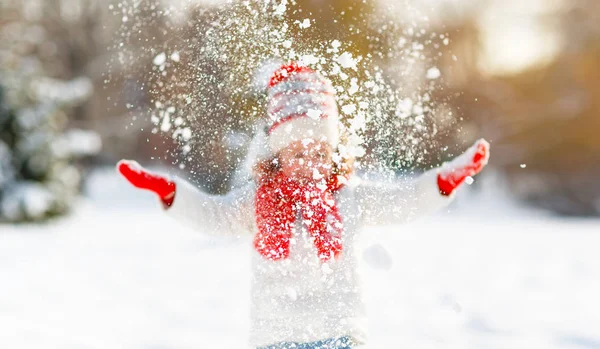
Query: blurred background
173	84
89	77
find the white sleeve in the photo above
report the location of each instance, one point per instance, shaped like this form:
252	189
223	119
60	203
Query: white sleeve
231	214
393	203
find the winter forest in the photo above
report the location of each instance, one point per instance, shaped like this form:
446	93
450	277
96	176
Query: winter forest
211	102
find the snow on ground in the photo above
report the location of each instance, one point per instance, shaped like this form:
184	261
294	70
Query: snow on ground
119	274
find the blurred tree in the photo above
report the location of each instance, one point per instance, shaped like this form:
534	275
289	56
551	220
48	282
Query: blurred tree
543	119
554	118
37	176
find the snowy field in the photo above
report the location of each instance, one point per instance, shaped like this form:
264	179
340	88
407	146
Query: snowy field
118	274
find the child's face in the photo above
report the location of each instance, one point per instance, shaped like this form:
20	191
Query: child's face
307	160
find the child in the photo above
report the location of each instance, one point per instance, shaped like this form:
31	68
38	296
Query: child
305	212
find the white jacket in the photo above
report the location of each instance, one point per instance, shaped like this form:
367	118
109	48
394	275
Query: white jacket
300	299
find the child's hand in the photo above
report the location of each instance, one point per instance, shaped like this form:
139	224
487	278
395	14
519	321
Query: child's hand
143	179
470	163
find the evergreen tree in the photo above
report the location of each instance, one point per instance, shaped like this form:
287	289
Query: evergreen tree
37	176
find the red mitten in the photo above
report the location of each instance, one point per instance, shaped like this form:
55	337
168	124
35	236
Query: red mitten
470	163
143	179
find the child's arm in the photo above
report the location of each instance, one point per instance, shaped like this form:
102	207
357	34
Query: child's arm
382	203
216	215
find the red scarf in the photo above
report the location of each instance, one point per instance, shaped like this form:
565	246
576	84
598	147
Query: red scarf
277	203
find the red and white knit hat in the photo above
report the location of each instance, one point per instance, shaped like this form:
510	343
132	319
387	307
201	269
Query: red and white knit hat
301	105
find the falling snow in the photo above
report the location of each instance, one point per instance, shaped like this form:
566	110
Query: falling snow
349	109
304	24
433	73
160	59
346	60
247	41
229	61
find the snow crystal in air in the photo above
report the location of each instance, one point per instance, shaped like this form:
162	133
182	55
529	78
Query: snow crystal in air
469	180
175	56
523	165
186	133
349	109
304	24
353	86
160	59
166	123
280	9
353	146
359	122
309	59
346	60
404	108
335	44
418	109
433	73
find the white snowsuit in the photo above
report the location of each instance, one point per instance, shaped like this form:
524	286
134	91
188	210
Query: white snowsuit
300	299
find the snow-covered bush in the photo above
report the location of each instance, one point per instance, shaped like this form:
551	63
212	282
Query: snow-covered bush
38	178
